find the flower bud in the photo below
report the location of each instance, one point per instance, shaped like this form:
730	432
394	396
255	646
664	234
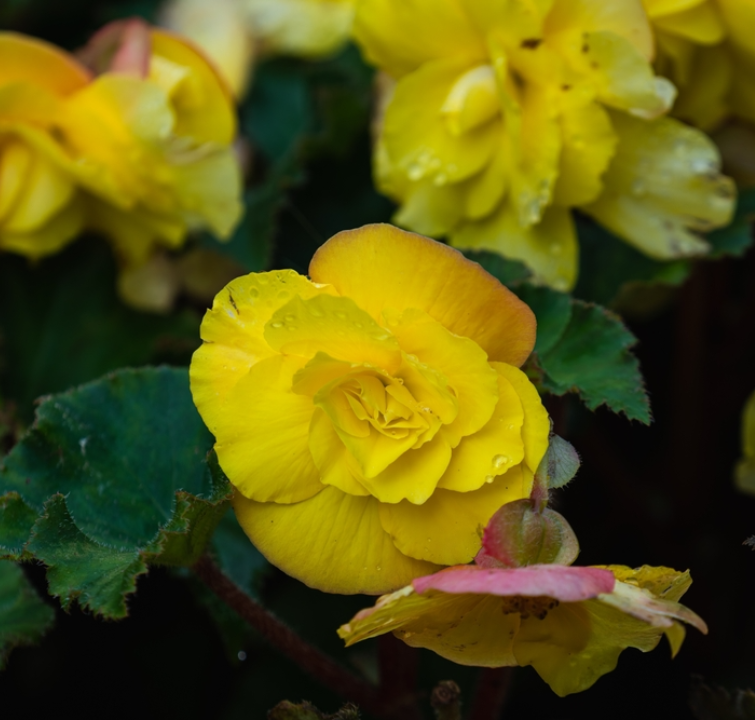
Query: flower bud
519	534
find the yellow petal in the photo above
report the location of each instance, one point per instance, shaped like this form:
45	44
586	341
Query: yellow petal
663	185
233	332
491	451
220	31
50	237
701	24
549	248
517	19
28	60
204	107
332	542
589	143
379	267
461	361
660	8
663	582
428	208
336	465
626	19
537	424
300	27
419	141
262	434
447	528
335	325
387	33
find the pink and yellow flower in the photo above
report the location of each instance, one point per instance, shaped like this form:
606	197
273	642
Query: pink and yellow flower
371	418
569	623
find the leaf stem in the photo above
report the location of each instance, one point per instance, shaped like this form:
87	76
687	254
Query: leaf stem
322	667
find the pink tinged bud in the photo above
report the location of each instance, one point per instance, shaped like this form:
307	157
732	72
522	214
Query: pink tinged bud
520	534
123	46
566	584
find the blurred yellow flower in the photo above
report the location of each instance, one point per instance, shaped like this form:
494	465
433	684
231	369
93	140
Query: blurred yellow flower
745	471
40	208
234	32
152	136
707	48
570	623
505	115
374	417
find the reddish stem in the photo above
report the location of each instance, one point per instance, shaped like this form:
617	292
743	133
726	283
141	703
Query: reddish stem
373	700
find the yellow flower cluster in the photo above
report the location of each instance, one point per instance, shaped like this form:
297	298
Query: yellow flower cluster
707	48
502	116
135	144
234	32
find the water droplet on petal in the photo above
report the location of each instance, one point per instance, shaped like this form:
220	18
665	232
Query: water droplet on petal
489	479
500	460
254	293
276	324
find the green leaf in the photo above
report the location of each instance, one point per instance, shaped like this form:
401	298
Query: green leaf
24	616
580	347
62	324
736	237
116	473
592	358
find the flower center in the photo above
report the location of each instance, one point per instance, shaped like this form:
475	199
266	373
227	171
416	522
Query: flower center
527	607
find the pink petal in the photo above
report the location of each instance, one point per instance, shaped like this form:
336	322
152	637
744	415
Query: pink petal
567	584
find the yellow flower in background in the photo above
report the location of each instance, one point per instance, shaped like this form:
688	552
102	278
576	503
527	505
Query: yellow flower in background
221	30
707	48
373	418
506	115
39	202
569	623
234	32
152	135
305	28
745	471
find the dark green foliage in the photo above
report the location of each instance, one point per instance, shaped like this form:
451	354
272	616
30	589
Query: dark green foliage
111	476
62	324
24	616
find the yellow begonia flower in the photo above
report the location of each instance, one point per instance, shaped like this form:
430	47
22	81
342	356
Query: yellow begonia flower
707	48
152	140
570	623
40	208
374	417
507	114
745	471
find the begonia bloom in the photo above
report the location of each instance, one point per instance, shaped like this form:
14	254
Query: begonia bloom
40	208
706	47
570	623
506	115
373	418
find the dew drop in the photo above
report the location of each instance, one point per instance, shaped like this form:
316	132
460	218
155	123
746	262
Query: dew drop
276	324
358	325
315	312
639	189
290	318
415	172
341	315
489	479
254	293
500	460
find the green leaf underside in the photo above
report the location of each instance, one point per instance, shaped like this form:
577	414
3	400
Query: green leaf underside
580	347
24	616
112	476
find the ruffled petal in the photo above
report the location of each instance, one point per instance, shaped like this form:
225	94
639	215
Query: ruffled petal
663	186
460	360
262	432
446	529
549	248
387	32
332	542
701	24
536	426
494	449
233	332
418	141
28	60
380	266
